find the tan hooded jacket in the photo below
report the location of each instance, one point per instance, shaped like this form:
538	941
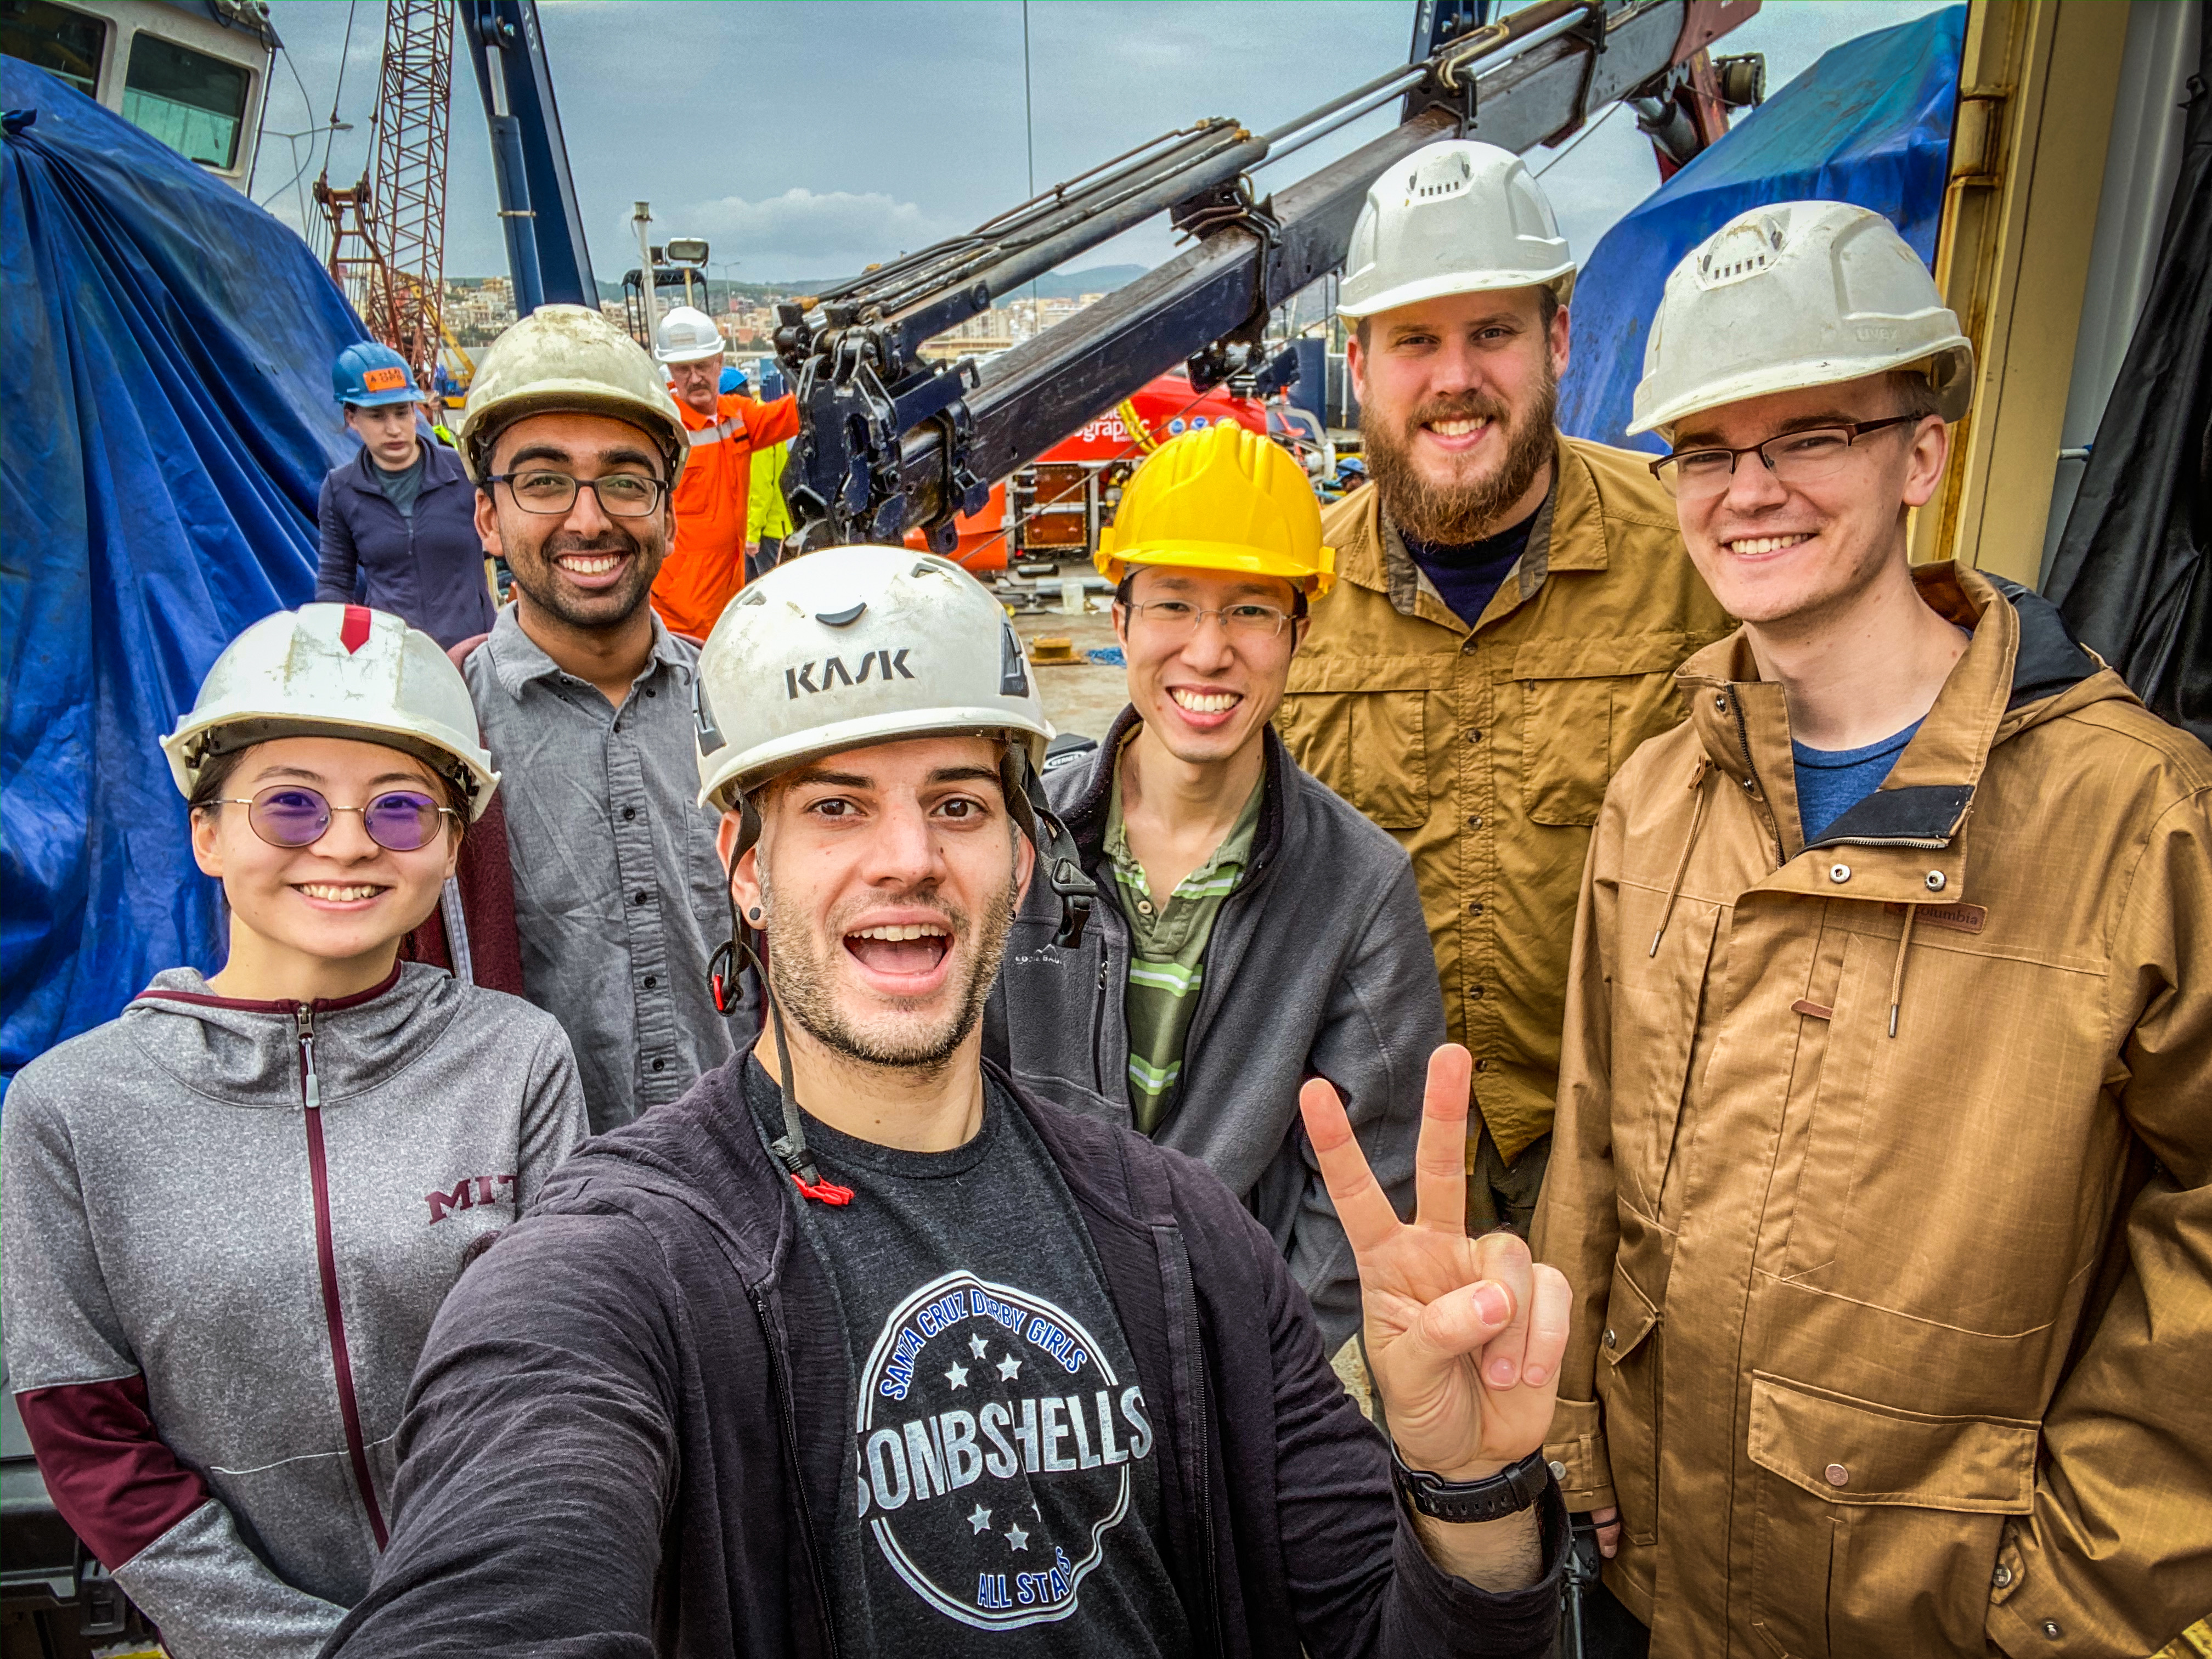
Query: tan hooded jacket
1881	1171
1486	751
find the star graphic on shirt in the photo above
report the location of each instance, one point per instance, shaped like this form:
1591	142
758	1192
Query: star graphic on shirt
980	1520
956	1375
980	1348
1017	1539
1009	1368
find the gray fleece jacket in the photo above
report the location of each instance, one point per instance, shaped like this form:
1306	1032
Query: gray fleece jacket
225	1227
1319	966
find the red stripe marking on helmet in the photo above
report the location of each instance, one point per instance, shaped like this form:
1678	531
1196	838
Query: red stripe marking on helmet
353	632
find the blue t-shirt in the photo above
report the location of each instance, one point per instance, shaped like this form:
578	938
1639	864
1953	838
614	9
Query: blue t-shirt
1467	577
1831	781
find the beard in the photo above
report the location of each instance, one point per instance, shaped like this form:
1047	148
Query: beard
804	982
539	579
1453	515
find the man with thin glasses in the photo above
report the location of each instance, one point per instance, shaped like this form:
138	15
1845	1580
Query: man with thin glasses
1883	1171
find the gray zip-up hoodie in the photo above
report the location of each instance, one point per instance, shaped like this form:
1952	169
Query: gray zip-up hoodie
225	1227
1319	966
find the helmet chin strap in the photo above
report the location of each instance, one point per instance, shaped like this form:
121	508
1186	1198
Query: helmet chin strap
789	1147
1058	860
1062	867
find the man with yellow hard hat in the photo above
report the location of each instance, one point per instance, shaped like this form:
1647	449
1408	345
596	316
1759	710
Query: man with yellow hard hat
1254	931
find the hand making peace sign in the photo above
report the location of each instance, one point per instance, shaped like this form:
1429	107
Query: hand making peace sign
1464	1335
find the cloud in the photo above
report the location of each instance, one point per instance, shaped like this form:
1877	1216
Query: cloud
806	233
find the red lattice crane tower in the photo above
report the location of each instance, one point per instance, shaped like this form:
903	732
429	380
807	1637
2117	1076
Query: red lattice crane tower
388	231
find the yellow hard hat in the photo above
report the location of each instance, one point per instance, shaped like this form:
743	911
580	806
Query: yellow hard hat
1222	498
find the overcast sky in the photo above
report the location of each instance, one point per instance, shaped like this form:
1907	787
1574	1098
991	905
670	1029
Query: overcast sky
805	140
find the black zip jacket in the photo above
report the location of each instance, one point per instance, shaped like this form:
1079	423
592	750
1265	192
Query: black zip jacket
628	1431
1319	965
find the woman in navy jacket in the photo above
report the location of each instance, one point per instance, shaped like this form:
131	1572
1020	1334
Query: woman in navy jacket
399	520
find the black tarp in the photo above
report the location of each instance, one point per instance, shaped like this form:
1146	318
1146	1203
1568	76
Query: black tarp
2130	573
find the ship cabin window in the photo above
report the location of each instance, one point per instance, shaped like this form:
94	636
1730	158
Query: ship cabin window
66	43
193	103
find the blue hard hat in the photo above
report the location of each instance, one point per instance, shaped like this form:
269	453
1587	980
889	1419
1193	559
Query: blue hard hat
370	376
734	380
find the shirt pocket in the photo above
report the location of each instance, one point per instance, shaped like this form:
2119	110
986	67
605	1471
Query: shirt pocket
710	885
1361	726
1876	1529
1629	1385
1585	706
1900	1140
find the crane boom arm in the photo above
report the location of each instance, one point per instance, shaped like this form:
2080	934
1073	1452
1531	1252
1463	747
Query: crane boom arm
888	443
545	249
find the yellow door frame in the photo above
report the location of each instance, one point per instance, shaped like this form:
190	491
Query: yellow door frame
2037	81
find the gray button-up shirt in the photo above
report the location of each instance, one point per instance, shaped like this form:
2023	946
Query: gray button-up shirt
618	894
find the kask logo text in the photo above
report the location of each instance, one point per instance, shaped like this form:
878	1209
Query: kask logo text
834	673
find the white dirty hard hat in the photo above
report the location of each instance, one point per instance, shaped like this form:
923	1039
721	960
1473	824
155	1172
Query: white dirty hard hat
1453	218
566	359
1797	294
687	335
337	671
852	646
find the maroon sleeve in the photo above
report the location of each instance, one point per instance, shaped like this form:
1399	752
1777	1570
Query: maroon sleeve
485	874
110	1476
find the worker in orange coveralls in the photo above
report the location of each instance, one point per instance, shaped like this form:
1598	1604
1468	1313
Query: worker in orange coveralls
706	566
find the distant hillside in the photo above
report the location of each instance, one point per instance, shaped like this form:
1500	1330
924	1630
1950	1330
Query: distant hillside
1060	285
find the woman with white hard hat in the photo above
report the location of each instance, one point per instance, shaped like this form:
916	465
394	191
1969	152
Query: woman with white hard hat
227	1216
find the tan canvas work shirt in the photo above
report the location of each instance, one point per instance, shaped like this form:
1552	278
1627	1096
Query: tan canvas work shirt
1883	1173
1486	750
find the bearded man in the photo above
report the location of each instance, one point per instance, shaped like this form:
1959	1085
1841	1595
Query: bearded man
1509	609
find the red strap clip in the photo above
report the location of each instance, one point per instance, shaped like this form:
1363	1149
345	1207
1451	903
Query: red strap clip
824	1192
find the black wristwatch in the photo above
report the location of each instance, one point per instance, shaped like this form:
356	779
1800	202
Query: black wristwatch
1509	1492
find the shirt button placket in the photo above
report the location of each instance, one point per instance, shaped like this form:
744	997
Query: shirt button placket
644	927
1479	843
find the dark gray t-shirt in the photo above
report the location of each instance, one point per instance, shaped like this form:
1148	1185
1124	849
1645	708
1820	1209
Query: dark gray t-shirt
401	487
1005	1499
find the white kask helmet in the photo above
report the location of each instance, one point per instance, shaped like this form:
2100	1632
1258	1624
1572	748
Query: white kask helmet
850	647
337	671
1453	218
1797	294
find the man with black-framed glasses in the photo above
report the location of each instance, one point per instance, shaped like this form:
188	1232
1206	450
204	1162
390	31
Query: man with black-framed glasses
1883	1172
1254	930
584	700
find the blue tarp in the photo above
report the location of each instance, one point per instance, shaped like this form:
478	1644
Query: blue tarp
1869	123
167	426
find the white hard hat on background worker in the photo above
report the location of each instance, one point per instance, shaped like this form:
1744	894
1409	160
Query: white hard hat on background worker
1797	294
687	335
1453	218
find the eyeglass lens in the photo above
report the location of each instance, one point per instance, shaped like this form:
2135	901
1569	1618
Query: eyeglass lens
1179	618
293	815
1795	458
621	495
